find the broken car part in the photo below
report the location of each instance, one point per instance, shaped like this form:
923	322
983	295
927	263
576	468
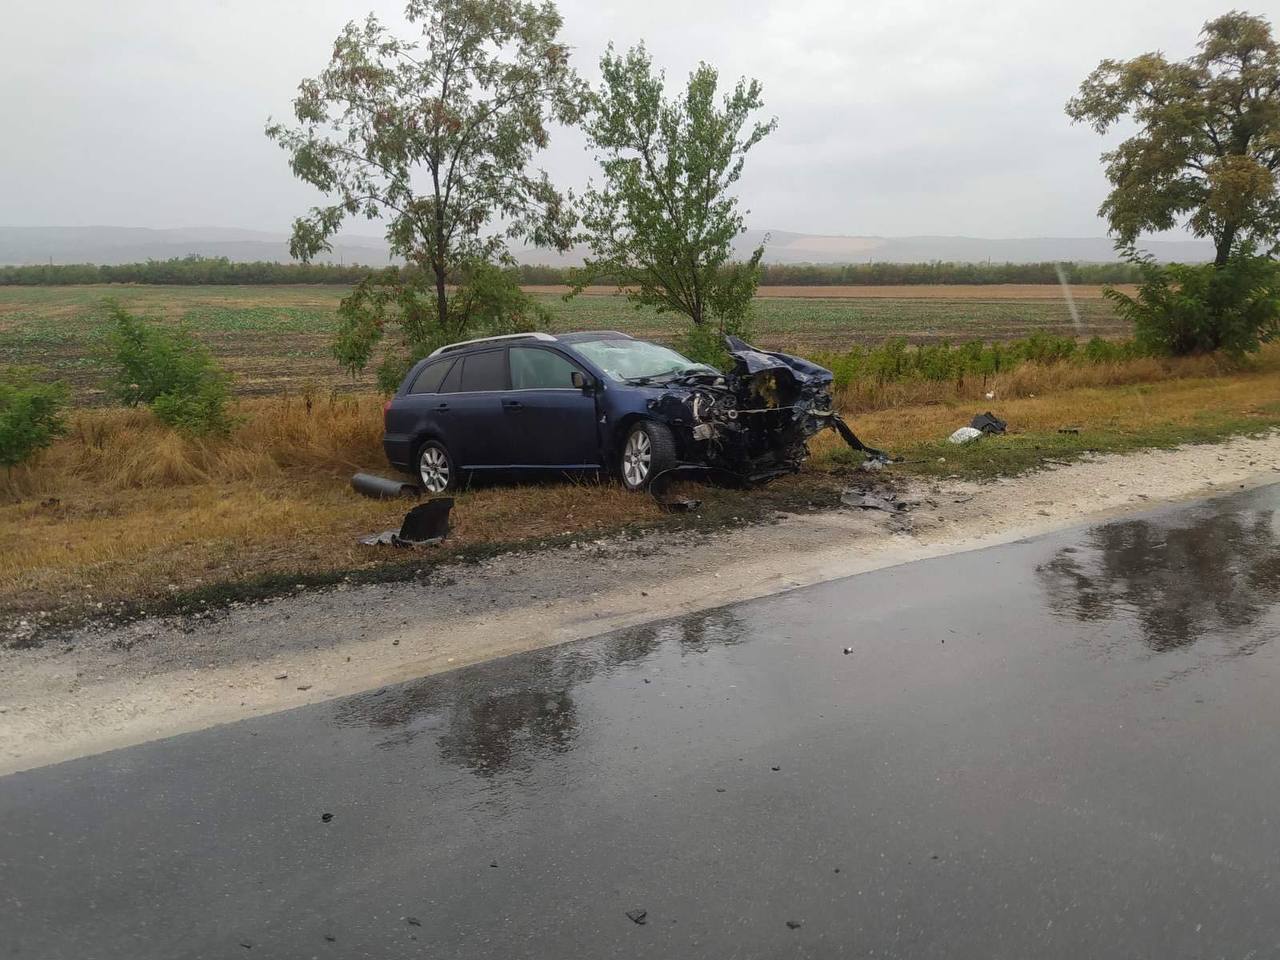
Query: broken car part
425	525
888	502
988	423
380	488
754	422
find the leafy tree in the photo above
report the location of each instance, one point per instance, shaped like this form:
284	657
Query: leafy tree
30	415
461	110
1181	309
170	371
662	223
487	301
1208	142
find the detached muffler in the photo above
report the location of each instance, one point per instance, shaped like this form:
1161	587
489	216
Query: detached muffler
381	488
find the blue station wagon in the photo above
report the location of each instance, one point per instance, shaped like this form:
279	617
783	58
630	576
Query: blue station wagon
602	401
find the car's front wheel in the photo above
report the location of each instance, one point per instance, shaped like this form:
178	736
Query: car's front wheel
436	471
649	450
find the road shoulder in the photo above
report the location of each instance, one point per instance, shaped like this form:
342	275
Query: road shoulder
110	687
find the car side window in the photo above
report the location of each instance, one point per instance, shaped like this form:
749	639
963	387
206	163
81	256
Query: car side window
452	382
431	377
534	369
484	371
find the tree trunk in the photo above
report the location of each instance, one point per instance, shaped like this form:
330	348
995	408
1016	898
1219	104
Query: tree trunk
1224	244
442	298
439	259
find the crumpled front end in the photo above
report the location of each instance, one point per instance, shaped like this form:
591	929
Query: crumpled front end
755	421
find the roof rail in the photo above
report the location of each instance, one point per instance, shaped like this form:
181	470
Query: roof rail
506	336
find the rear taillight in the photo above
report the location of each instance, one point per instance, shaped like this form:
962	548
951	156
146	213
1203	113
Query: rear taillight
386	410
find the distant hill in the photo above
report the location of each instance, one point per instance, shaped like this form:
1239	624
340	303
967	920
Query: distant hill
113	245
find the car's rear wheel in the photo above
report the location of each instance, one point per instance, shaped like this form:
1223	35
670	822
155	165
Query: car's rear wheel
648	451
436	471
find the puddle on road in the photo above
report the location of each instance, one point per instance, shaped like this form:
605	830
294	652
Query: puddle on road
495	720
1174	581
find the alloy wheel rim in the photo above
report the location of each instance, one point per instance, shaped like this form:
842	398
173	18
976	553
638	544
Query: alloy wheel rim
434	469
636	458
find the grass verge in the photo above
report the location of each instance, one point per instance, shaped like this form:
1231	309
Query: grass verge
1096	419
125	517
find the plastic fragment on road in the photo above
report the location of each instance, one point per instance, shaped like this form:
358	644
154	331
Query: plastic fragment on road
888	502
965	435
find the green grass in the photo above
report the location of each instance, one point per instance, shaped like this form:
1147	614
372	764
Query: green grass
839	324
274	338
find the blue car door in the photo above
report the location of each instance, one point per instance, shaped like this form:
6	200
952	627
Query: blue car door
416	414
470	409
551	422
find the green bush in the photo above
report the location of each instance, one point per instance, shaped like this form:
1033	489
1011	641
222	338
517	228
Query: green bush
394	313
704	343
30	414
1183	309
196	413
169	370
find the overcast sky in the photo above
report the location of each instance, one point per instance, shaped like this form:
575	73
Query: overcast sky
896	117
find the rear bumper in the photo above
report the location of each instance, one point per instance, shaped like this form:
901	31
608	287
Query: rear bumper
399	451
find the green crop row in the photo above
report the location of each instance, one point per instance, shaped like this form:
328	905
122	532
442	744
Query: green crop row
895	360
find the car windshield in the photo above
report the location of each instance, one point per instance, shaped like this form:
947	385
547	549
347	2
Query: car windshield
638	360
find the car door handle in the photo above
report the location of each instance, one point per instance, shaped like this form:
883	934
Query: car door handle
442	408
512	405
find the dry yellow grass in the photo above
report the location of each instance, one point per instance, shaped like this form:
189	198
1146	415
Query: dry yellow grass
1117	411
125	508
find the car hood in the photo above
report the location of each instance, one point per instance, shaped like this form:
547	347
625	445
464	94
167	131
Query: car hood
749	362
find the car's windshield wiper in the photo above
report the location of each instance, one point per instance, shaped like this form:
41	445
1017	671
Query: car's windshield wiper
650	377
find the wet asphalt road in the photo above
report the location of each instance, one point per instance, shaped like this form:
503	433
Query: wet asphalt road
1065	747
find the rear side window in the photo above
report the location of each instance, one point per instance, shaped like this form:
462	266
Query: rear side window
533	369
452	382
431	377
484	371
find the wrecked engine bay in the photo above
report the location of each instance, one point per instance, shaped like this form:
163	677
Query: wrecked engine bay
753	422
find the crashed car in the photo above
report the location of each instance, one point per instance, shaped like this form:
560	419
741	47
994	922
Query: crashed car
605	400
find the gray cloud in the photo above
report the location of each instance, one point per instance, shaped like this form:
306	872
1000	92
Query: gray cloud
894	118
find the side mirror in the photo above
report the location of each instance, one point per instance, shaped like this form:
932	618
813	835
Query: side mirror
582	381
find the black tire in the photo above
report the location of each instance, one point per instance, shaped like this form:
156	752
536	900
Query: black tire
435	469
648	449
